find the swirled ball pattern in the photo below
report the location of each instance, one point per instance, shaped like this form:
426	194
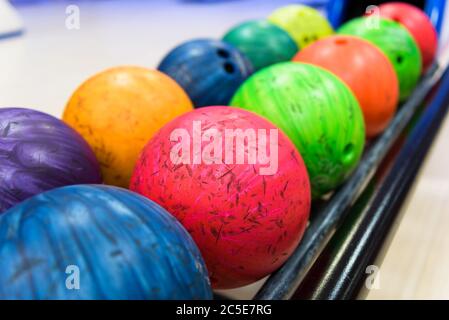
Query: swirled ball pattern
97	242
39	152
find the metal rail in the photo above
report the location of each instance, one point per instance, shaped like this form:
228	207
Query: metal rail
340	272
325	220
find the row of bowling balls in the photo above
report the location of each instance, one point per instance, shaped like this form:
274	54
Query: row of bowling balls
245	224
308	99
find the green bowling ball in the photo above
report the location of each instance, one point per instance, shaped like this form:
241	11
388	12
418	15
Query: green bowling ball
262	42
396	42
317	111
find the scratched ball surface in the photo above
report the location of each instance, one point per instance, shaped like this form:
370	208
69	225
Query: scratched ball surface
118	110
39	152
317	111
97	242
247	215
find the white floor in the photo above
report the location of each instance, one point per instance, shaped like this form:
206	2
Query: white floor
43	67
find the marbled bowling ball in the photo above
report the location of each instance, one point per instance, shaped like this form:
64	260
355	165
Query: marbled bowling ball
97	242
209	70
39	152
262	42
317	111
118	110
395	42
241	189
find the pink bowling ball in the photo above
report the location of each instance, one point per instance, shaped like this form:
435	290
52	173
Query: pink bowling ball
236	183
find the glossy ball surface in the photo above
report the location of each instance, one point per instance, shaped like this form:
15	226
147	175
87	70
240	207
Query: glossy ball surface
209	70
418	24
246	222
262	42
39	152
317	111
119	245
304	24
396	43
365	69
118	110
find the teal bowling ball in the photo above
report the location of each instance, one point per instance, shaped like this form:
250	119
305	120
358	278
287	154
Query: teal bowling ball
262	42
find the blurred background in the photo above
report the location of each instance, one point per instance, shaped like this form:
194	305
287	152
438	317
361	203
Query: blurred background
42	61
45	64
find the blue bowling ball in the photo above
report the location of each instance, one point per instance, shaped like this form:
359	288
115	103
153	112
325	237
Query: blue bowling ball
210	71
97	242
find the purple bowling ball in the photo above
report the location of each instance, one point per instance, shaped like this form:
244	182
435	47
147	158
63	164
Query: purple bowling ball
39	152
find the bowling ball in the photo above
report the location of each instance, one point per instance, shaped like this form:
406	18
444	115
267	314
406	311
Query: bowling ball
398	45
118	110
39	152
97	242
262	42
209	70
236	183
365	69
418	24
317	111
304	24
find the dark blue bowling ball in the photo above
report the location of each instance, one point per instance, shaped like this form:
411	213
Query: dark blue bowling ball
210	71
97	242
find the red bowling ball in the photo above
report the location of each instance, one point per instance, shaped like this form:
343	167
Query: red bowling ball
418	24
236	183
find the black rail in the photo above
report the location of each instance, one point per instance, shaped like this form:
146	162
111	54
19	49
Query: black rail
326	219
340	271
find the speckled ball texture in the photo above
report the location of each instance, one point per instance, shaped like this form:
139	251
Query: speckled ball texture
246	222
106	241
118	110
39	152
209	70
396	43
317	111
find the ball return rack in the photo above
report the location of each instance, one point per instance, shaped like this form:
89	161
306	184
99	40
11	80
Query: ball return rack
349	231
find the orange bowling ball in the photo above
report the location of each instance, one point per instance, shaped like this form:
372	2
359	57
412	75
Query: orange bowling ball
365	69
118	110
